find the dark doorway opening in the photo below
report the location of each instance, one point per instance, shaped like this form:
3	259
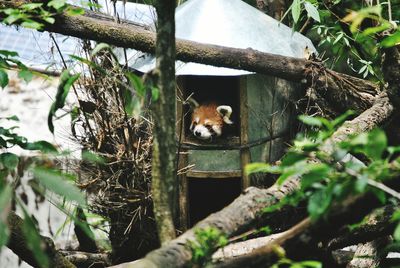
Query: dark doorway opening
206	196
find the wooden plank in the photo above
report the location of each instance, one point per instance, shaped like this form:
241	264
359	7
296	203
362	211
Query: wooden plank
244	128
182	158
214	160
180	122
183	194
214	174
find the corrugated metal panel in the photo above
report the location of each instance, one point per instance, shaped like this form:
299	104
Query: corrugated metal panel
231	23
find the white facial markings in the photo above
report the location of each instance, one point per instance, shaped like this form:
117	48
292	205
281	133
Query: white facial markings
217	130
202	132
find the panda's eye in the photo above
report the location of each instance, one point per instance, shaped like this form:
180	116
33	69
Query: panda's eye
192	126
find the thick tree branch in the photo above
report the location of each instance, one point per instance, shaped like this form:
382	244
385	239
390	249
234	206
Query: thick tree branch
267	250
378	223
368	254
246	210
345	92
17	243
86	259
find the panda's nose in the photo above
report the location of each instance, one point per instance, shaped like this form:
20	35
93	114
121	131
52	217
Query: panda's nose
197	133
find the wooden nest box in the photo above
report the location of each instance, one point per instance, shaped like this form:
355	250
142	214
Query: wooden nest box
211	173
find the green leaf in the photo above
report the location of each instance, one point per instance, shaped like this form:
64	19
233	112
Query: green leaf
13	118
55	182
315	173
32	24
100	47
57	4
310	264
92	157
3	79
396	215
31	6
338	121
74	11
377	143
361	183
291	158
396	234
26	75
312	11
155	93
89	63
319	203
393	149
5	206
49	20
296	9
391	40
42	146
256	167
9	160
311	121
34	241
12	18
298	169
381	195
137	83
9	53
66	82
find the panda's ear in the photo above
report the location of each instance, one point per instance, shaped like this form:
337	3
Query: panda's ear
225	111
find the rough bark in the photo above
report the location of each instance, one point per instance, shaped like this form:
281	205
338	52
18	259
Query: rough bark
376	224
391	72
243	247
344	89
17	243
85	259
367	255
306	239
264	254
246	210
164	179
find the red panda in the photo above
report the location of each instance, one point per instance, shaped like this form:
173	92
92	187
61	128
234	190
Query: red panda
208	119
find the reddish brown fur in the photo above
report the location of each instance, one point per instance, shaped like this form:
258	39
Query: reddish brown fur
209	112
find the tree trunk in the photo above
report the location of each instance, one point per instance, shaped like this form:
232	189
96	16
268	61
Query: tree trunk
164	179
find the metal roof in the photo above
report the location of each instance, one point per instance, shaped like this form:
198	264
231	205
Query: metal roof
231	23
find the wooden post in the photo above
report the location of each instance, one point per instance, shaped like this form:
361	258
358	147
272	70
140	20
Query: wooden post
244	129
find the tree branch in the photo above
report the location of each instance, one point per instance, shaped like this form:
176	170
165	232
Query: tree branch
343	91
246	210
17	243
368	254
86	259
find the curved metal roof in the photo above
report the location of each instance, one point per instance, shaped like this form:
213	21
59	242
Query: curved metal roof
231	23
